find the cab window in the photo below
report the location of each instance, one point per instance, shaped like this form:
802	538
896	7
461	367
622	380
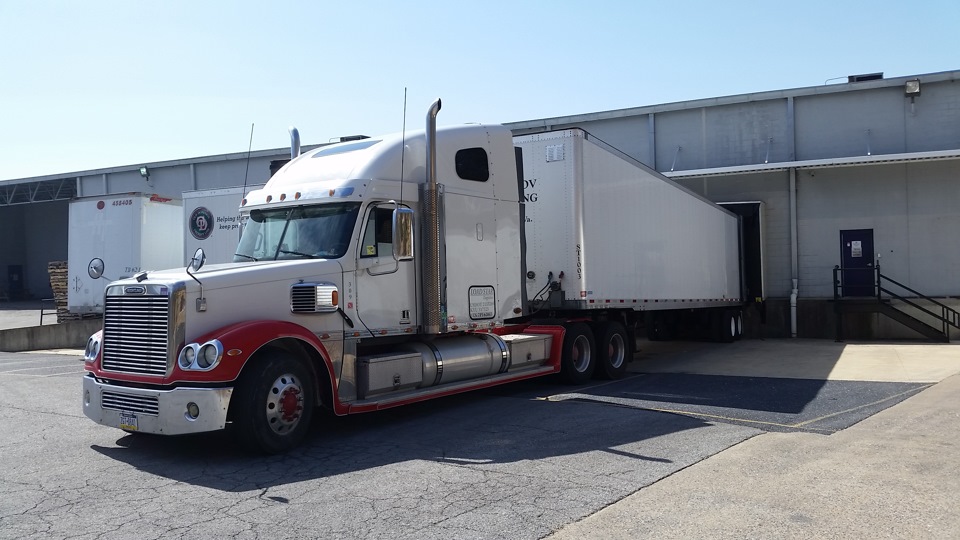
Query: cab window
378	234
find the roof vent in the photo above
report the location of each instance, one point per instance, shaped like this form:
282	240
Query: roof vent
865	77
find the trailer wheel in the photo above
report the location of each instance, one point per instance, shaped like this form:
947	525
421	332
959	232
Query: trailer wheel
739	324
577	361
613	350
727	332
273	404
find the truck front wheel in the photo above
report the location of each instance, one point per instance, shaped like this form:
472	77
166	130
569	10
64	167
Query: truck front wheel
273	404
577	361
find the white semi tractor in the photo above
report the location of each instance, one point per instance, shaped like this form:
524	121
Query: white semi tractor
391	270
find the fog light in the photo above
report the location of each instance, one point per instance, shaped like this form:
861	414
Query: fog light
193	411
86	397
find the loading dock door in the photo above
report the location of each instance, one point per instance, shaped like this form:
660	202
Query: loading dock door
752	238
856	262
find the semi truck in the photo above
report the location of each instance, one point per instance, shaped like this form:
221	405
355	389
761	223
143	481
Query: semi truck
391	270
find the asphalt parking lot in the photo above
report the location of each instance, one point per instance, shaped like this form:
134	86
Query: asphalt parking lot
528	460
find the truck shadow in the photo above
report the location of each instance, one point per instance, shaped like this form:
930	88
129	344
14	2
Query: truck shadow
487	429
541	421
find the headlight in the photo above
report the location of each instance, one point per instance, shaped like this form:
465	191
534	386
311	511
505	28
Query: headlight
208	355
92	349
187	355
196	357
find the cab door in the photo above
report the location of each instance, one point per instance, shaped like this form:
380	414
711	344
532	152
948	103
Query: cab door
385	299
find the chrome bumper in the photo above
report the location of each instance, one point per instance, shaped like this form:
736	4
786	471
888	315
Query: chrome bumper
155	411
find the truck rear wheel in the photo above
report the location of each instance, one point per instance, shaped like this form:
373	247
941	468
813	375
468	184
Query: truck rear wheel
613	350
577	361
273	404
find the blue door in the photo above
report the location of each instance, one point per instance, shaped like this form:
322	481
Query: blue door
856	262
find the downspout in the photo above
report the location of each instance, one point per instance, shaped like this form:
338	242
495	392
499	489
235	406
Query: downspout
433	308
794	253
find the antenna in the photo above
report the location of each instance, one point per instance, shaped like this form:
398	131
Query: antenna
246	169
403	141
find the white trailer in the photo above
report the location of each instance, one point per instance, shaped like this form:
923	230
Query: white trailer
211	220
605	232
128	232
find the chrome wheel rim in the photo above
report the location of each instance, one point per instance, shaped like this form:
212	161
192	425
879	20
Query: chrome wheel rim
581	353
284	405
616	351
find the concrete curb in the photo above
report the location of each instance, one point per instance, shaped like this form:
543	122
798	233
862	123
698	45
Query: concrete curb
67	335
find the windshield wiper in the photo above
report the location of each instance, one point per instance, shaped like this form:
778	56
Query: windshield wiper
307	255
246	256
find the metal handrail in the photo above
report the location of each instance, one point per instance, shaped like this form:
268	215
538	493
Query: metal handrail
947	316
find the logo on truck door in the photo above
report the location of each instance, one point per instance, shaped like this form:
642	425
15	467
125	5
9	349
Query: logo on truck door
201	223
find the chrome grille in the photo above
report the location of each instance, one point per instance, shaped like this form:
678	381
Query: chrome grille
136	335
313	298
303	298
128	403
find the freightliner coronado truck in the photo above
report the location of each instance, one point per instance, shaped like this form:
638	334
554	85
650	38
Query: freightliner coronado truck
387	271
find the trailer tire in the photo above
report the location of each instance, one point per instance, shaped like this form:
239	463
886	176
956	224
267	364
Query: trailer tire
658	329
739	324
613	350
728	326
273	404
577	360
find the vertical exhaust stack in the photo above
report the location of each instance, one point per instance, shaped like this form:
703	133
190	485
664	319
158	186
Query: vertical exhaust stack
294	142
433	309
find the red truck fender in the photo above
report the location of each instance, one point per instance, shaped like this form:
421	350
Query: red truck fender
241	341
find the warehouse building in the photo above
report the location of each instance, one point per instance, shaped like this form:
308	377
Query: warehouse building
855	174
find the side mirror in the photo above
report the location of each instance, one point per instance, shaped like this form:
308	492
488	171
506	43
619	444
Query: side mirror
95	268
403	234
196	263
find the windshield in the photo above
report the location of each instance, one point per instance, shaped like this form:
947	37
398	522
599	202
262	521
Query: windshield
302	232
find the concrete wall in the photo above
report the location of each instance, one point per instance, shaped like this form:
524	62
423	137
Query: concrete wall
68	335
913	209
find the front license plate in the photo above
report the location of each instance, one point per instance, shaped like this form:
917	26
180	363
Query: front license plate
128	421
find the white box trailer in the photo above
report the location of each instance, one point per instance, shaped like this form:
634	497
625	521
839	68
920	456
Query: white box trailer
613	233
130	232
211	220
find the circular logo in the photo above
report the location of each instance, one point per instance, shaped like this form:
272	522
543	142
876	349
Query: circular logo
100	205
201	223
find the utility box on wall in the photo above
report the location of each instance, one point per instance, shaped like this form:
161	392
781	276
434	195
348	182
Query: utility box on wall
130	232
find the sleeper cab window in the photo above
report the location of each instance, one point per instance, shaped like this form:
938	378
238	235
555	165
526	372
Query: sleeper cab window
472	164
378	234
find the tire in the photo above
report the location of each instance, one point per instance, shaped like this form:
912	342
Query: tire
613	350
577	360
273	404
658	329
739	317
727	327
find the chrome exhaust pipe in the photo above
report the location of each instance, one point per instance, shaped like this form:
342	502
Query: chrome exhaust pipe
433	309
294	142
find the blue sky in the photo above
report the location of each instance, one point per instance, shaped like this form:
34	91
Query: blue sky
93	84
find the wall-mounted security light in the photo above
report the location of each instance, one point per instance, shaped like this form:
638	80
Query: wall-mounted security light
912	88
145	173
